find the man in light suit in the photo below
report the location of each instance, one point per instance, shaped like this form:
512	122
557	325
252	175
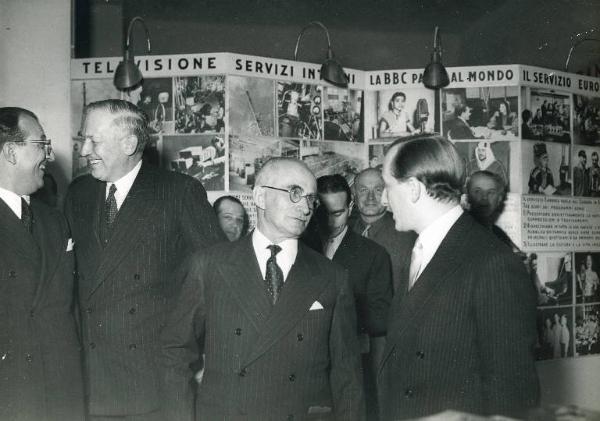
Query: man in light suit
462	327
132	225
276	320
40	362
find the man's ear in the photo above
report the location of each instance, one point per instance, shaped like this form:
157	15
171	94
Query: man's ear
416	189
9	152
258	194
129	144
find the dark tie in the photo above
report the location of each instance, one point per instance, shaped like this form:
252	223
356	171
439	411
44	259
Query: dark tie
274	275
365	232
111	206
26	215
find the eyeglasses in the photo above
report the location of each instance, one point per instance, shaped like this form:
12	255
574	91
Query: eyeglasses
47	144
297	193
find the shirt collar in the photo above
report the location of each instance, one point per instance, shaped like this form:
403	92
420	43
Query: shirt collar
124	184
285	258
332	244
13	200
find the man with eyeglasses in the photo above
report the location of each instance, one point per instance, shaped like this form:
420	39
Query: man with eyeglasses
132	225
40	371
275	319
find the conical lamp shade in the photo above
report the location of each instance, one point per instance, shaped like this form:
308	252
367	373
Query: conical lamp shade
333	72
435	75
127	74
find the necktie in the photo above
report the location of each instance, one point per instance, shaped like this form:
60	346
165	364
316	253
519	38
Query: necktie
274	275
365	232
416	260
111	206
26	215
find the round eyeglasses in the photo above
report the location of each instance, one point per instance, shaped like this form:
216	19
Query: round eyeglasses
297	193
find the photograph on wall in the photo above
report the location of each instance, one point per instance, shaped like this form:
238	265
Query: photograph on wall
546	168
586	171
155	98
199	104
300	110
376	154
236	212
200	156
251	106
555	333
84	92
586	120
400	112
247	155
489	112
342	114
546	115
587	330
486	156
586	277
327	158
551	274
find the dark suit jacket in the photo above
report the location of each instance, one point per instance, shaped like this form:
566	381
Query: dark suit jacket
40	364
370	275
123	287
462	338
398	244
460	130
263	362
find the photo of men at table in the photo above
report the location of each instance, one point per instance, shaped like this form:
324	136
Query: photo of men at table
480	113
586	120
550	115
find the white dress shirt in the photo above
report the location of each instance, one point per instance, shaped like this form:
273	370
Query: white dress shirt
13	200
123	185
332	244
285	258
432	236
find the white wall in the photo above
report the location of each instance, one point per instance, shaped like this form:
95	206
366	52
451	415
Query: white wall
35	51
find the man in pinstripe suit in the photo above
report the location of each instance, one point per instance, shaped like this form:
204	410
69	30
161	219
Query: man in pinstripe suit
462	325
132	225
273	350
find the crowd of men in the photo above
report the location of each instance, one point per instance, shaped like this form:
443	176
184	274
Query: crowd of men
380	301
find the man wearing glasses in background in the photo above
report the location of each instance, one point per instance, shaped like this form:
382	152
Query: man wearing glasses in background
40	369
276	319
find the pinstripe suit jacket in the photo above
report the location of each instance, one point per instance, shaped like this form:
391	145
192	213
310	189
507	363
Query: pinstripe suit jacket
462	338
40	362
124	284
263	362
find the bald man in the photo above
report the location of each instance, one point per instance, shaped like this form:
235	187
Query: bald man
275	319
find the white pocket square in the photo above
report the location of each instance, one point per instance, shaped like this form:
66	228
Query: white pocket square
70	244
316	306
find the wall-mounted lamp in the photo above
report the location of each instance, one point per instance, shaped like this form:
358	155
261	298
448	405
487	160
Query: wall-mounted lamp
128	74
331	70
435	75
575	44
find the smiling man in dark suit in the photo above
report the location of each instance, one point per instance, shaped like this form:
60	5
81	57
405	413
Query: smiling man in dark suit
132	225
462	326
275	318
40	362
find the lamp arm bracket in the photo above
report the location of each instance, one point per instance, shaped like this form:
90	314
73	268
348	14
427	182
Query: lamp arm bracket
313	23
575	45
129	29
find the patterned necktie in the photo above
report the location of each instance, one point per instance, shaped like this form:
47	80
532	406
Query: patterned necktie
111	206
365	232
26	215
416	261
274	275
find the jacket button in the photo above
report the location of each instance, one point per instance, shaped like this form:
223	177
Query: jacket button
300	337
408	393
92	345
292	377
132	346
238	331
132	310
12	274
420	354
29	358
243	372
88	310
136	276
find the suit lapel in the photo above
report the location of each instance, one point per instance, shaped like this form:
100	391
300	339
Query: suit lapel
407	304
14	236
129	226
302	286
245	282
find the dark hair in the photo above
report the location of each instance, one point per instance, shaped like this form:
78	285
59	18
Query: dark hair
10	131
217	208
127	117
494	176
432	160
335	183
459	109
582	154
393	98
594	154
526	114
